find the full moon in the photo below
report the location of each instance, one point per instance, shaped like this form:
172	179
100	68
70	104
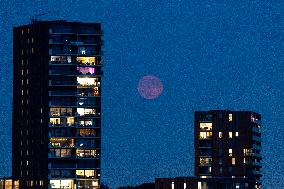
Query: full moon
150	87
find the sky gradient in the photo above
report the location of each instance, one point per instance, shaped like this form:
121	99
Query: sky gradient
208	55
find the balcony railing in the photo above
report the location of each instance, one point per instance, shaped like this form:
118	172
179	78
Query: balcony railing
62	83
74	52
62	93
61	125
57	114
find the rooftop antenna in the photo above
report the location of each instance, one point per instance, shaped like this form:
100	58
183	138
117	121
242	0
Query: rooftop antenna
35	17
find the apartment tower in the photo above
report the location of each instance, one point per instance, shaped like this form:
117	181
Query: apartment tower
228	145
57	69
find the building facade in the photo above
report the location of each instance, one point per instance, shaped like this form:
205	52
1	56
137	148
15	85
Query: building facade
57	69
227	152
227	144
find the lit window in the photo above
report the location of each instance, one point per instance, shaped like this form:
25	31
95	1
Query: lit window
205	161
230	134
230	152
86	111
86	60
237	134
206	126
244	160
84	82
86	70
173	185
199	185
220	135
233	161
230	117
205	135
184	185
62	184
247	152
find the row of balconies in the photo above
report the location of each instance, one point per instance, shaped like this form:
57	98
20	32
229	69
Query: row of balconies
73	31
73	83
73	166
75	52
209	163
73	125
74	73
74	156
75	42
95	93
78	63
76	114
76	145
73	104
75	135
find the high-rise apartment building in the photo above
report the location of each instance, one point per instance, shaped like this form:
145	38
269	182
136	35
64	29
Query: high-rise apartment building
57	105
227	144
227	152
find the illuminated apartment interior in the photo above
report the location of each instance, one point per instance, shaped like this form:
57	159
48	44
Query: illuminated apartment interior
57	92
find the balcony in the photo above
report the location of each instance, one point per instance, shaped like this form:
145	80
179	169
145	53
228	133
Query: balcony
71	31
54	113
71	156
65	63
87	114
256	138
205	135
62	93
205	162
97	135
61	124
205	144
62	72
61	143
205	170
62	41
256	129
62	104
257	164
62	83
205	152
256	155
256	147
74	52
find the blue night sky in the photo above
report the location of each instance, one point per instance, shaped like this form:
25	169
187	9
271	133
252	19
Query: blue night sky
207	53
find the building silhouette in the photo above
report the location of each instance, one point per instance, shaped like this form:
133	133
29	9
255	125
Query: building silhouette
57	69
227	152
